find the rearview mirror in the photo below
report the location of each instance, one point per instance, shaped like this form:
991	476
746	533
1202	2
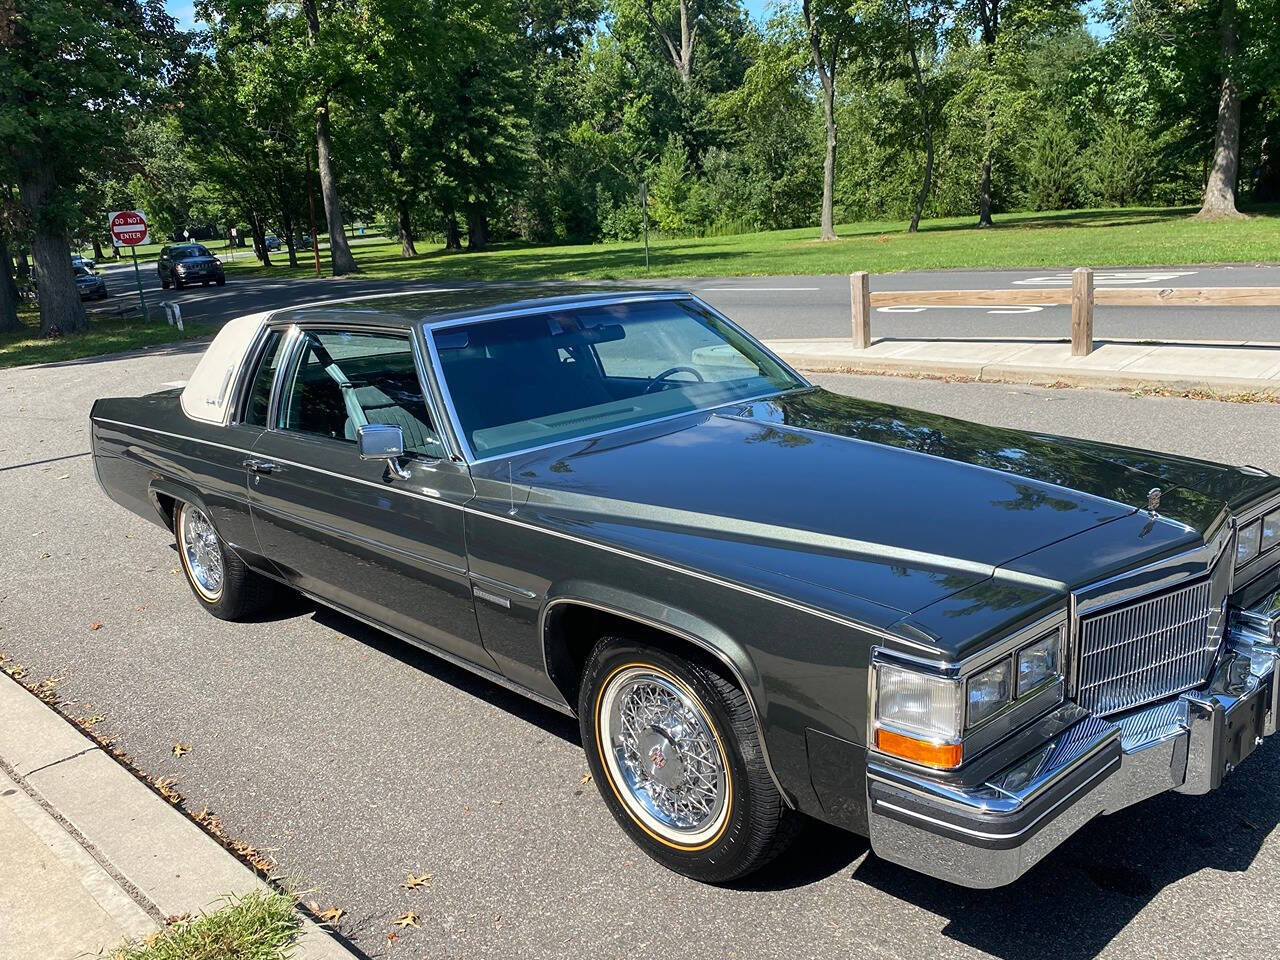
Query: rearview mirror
382	441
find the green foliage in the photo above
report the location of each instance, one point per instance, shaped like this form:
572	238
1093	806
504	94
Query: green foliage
257	926
1052	172
1123	165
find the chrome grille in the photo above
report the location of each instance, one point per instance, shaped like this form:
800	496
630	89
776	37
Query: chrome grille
1146	650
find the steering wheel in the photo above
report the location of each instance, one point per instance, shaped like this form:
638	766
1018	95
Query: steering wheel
661	378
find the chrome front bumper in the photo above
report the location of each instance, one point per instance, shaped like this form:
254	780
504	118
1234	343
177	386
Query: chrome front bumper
989	834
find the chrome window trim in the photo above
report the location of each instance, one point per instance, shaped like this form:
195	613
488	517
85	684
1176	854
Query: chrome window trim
294	346
429	327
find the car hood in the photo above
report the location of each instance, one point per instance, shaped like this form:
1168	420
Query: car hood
196	262
869	510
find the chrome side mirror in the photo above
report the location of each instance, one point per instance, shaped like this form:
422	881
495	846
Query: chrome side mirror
382	441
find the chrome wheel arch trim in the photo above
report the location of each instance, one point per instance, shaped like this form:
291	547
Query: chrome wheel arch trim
680	633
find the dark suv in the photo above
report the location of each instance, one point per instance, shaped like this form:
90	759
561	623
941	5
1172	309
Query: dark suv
186	263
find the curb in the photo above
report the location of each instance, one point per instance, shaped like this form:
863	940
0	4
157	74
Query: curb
169	864
1033	375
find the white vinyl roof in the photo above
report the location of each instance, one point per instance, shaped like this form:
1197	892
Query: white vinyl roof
207	395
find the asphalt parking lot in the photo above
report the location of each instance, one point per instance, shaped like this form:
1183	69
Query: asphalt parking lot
354	760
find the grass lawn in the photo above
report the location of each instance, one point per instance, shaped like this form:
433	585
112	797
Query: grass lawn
105	335
1118	237
257	927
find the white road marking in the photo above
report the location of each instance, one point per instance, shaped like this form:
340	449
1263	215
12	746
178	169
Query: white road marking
1118	279
1011	308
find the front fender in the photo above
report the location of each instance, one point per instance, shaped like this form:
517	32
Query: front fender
695	630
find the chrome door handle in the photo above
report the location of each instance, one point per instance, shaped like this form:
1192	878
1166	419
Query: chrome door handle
261	466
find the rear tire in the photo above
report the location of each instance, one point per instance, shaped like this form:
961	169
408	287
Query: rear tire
177	282
674	749
220	580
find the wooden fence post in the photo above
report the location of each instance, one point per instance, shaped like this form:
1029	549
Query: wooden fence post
860	298
1081	312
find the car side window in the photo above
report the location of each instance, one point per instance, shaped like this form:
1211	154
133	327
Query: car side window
259	400
342	380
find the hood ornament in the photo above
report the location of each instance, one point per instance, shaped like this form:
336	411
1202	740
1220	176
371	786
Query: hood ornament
1153	500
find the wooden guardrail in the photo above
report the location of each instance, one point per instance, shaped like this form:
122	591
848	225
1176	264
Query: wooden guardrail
1081	297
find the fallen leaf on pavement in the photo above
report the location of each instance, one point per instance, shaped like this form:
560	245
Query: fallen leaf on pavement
408	919
586	778
95	625
95	719
331	916
181	748
166	785
392	937
413	883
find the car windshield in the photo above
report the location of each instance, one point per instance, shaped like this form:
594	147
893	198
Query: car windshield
533	379
195	250
81	271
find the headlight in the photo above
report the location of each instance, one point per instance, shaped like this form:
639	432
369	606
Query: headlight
1040	662
989	691
925	713
1270	530
1248	542
181	267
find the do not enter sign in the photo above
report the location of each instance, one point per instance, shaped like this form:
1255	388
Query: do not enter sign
128	228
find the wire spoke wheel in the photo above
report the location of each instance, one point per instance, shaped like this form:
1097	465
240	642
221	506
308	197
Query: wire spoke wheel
201	553
664	755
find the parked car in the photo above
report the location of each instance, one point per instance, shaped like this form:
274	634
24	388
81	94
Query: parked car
85	262
185	263
304	242
91	286
271	242
761	600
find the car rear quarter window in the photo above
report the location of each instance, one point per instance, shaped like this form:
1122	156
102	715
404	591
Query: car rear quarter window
256	407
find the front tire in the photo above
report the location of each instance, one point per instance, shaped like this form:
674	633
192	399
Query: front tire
674	749
219	579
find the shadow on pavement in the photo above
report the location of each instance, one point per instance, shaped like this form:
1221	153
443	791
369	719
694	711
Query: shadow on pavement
566	728
1083	895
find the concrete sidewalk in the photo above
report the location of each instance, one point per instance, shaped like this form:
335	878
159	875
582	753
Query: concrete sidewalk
89	855
1216	366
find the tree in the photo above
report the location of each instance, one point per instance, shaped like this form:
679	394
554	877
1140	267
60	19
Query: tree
1220	190
8	286
681	52
341	260
77	75
827	22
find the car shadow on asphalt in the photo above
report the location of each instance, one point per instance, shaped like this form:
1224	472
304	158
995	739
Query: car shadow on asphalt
564	727
1084	894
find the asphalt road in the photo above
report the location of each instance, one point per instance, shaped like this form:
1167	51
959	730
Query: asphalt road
354	760
818	306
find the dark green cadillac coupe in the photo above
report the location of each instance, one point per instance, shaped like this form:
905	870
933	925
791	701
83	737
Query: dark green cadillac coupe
763	601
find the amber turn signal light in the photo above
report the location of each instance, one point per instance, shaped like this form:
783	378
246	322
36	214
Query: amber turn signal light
942	756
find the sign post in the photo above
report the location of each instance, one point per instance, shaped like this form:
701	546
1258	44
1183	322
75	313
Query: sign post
129	229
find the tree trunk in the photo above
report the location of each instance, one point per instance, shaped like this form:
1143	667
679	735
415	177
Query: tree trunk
8	289
405	228
286	221
452	238
989	18
98	255
259	239
61	310
340	258
681	54
24	265
984	188
827	74
1220	192
477	229
926	126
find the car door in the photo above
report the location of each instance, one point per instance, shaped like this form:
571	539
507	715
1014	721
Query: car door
351	532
